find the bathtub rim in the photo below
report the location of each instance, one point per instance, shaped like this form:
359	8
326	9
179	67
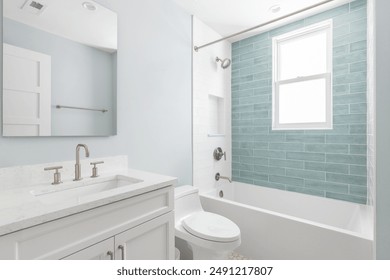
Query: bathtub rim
212	194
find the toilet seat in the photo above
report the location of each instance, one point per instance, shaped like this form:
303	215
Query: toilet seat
211	227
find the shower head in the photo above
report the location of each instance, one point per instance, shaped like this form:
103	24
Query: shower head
225	63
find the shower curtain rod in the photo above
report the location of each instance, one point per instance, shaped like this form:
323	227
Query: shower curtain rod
196	48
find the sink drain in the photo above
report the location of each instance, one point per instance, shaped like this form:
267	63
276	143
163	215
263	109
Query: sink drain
220	193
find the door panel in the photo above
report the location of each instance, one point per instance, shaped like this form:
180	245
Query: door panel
26	92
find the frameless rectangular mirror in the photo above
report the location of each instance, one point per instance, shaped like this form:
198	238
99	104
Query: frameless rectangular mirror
59	68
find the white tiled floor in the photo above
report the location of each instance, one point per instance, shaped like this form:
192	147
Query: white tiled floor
237	256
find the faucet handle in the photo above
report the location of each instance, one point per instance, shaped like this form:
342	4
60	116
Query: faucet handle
57	174
95	169
218	153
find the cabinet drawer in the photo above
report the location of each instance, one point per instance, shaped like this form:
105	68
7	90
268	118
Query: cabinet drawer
60	238
100	251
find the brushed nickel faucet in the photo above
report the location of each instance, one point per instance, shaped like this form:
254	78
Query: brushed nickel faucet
77	167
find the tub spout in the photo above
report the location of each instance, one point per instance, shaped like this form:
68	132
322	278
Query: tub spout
218	176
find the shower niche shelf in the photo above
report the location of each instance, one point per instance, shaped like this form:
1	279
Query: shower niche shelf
215	135
216	122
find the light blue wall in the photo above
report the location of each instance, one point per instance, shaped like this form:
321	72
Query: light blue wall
382	22
82	76
154	97
324	163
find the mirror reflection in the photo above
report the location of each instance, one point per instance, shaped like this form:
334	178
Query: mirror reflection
59	68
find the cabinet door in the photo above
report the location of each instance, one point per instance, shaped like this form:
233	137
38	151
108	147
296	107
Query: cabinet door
100	251
153	240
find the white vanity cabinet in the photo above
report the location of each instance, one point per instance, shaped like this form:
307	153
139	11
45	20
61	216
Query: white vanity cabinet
139	227
149	241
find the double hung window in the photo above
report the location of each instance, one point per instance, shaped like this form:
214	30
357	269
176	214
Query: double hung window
302	78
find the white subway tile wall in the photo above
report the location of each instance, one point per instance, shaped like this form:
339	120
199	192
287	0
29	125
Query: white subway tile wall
211	87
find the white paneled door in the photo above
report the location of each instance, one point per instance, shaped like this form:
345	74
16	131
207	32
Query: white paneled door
26	92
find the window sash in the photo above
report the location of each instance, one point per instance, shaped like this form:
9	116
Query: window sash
324	26
303	78
328	124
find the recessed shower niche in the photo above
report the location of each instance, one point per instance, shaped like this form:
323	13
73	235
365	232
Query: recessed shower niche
216	108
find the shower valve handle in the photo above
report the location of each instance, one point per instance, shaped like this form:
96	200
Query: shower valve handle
218	153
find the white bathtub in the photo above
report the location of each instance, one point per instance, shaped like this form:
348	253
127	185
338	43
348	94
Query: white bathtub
286	225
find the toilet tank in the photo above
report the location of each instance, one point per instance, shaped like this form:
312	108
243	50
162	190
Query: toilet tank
187	201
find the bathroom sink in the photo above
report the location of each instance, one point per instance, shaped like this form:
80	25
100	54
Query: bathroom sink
85	190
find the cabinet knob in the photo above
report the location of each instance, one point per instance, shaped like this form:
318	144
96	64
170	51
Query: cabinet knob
122	248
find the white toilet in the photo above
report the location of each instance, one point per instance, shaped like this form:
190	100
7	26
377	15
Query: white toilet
208	235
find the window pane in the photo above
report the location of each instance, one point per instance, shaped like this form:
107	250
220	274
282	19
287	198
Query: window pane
302	102
303	56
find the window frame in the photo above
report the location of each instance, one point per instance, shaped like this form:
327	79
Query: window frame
324	26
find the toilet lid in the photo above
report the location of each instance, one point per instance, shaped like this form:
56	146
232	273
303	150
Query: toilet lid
211	226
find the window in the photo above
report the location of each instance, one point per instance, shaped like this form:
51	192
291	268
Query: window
302	79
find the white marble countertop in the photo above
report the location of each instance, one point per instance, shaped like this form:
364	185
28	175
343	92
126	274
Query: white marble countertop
20	208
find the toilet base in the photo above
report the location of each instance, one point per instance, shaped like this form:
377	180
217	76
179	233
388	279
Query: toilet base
185	250
189	251
200	253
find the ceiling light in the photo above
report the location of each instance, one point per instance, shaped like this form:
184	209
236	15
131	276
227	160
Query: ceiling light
275	8
89	6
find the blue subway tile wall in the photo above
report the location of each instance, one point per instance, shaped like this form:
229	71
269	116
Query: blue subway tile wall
326	163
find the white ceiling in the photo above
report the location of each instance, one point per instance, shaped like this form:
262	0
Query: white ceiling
231	16
69	19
